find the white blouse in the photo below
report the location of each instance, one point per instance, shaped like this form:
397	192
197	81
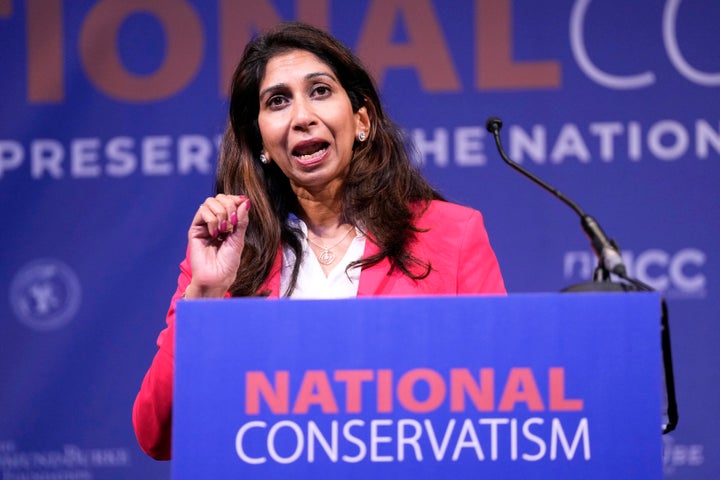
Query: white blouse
312	282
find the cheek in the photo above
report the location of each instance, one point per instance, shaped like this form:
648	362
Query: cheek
269	133
350	133
346	126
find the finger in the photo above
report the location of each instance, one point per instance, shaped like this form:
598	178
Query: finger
215	213
236	238
242	213
209	215
230	203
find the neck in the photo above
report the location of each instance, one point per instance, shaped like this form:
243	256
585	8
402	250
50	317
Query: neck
321	213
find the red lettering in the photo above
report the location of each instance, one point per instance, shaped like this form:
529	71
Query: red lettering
384	391
45	51
100	58
482	393
276	395
314	12
495	66
558	402
6	8
315	390
426	50
353	387
521	387
240	20
406	393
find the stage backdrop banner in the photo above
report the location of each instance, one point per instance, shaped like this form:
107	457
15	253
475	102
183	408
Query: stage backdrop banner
532	387
110	119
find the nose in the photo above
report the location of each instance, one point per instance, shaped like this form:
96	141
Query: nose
303	115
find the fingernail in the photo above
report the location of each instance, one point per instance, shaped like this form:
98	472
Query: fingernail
223	226
247	204
215	233
233	218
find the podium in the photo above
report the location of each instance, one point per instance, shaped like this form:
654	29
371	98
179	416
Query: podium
524	386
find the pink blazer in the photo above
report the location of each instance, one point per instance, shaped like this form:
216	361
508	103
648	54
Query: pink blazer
453	239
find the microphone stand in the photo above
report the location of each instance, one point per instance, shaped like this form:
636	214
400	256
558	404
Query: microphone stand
609	262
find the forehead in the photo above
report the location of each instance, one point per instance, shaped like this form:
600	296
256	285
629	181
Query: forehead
286	66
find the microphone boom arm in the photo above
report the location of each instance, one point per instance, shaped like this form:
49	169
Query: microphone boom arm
607	252
609	261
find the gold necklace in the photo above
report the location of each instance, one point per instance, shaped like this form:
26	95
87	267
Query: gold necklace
327	256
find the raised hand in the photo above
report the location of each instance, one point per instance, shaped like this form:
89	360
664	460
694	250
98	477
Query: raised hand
216	239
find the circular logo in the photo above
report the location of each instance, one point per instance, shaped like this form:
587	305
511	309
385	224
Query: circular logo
45	294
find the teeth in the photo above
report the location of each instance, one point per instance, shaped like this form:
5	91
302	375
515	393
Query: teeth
309	156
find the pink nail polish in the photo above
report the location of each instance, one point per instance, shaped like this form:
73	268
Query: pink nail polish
233	218
223	226
247	204
215	233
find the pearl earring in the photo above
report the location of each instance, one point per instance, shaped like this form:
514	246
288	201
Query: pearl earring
361	136
264	159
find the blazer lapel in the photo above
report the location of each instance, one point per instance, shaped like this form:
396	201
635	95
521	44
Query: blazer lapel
377	279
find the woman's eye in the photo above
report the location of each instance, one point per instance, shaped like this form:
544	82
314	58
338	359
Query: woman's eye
321	90
276	101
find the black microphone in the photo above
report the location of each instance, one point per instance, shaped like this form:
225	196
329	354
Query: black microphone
605	249
610	261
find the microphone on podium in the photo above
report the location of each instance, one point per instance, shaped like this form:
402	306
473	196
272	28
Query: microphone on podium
606	250
609	261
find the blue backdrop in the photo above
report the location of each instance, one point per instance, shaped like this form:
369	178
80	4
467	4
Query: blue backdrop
109	123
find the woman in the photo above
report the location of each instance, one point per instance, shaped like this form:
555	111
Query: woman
316	198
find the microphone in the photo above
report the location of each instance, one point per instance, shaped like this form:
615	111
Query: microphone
610	261
605	249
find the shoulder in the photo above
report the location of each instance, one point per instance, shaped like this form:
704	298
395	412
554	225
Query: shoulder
448	227
442	216
454	240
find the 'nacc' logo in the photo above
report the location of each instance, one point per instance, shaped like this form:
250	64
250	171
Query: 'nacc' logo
677	274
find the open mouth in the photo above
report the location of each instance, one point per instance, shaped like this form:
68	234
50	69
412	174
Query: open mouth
307	152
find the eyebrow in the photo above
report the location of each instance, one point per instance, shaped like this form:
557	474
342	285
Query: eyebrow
309	76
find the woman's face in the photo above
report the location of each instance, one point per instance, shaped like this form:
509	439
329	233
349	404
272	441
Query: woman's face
306	121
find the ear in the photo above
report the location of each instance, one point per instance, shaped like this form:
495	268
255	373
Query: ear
362	121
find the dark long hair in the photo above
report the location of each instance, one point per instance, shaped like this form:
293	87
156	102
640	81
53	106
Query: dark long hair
383	192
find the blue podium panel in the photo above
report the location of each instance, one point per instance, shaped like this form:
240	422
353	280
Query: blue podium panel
527	386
